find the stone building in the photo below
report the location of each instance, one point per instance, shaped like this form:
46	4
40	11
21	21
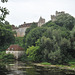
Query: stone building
53	17
41	22
22	28
16	50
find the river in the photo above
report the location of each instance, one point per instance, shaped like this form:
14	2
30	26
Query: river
20	68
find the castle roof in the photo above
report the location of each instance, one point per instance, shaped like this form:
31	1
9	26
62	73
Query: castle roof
15	48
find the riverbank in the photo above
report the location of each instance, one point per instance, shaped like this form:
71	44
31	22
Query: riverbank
61	68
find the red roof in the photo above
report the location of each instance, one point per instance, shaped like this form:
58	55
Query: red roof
15	48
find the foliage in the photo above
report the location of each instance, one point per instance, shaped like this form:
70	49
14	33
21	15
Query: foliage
19	41
72	39
3	11
54	42
6	36
65	20
4	1
34	25
6	57
6	33
3	14
72	62
33	35
33	52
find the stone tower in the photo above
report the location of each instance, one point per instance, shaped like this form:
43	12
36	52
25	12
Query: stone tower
53	17
41	22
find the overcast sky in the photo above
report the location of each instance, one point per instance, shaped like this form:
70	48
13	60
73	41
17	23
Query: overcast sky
30	10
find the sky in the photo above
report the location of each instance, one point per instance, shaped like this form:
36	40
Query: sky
30	10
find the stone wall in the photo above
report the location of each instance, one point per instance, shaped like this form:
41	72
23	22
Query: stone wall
22	28
20	31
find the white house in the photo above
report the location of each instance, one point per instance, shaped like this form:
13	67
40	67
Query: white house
16	50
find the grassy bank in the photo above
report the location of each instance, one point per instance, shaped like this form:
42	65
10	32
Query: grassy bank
70	66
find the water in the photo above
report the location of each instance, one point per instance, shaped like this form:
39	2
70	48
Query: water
19	68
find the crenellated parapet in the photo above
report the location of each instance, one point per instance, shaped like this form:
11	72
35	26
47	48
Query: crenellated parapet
53	17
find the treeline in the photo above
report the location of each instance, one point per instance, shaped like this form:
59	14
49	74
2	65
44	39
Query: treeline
6	35
53	42
6	39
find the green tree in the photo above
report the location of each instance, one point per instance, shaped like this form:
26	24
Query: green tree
33	35
19	41
65	20
3	14
65	46
33	53
72	39
6	36
3	11
34	25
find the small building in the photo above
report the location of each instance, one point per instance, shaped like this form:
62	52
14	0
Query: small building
16	50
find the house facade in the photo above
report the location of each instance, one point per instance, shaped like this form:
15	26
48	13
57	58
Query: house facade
16	50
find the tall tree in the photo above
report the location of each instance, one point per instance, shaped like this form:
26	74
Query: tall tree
65	20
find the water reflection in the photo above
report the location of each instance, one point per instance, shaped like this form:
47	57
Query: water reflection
19	68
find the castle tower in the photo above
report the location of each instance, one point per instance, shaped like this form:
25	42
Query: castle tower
53	17
41	22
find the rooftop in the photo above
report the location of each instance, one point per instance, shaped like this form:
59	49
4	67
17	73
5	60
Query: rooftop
15	48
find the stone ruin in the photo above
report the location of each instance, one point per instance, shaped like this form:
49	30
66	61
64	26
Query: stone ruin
22	28
53	17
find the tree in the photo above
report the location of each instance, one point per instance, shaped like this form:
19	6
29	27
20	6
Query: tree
65	20
6	36
3	11
34	25
3	14
33	53
33	35
4	1
65	46
72	39
6	33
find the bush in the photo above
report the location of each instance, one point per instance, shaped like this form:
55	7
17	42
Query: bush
6	57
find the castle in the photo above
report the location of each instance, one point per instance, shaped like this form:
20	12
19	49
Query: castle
53	17
22	28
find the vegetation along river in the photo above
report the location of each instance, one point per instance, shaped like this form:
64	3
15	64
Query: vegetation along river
20	68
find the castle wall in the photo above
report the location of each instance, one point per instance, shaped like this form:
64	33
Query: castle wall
53	17
22	28
20	31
